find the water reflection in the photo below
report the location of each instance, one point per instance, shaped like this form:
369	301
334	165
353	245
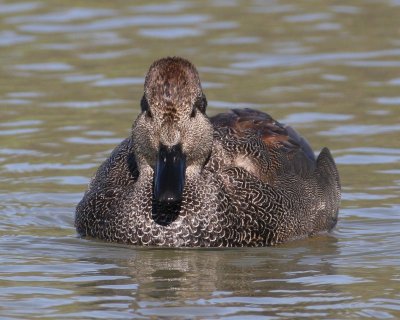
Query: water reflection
8	38
114	23
267	61
10	8
158	280
44	67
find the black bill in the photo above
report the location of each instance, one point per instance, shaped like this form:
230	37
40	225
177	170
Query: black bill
169	178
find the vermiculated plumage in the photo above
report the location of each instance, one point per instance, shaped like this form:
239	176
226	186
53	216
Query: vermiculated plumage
248	180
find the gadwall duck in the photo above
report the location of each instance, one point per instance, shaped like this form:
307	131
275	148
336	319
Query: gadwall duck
183	179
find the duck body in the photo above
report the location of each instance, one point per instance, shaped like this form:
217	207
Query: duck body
185	180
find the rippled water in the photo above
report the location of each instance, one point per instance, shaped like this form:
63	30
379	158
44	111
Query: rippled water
71	78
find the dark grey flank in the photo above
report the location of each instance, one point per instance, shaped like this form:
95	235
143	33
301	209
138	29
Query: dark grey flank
185	180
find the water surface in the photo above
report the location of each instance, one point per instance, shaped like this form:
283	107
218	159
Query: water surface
71	79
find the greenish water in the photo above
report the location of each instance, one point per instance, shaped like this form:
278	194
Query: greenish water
71	77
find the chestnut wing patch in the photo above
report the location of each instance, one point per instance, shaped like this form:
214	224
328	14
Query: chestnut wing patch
287	149
272	133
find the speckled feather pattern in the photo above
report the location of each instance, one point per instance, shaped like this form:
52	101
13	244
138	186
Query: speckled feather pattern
260	185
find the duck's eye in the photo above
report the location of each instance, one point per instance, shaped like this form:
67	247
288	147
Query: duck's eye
201	103
193	114
144	105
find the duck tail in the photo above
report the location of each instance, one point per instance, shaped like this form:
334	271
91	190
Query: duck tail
329	182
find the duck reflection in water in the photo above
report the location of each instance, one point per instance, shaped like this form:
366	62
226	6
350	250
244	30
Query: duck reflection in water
184	179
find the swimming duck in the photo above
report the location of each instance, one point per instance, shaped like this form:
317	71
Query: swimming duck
182	179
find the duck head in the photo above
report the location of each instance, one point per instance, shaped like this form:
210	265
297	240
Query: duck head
172	136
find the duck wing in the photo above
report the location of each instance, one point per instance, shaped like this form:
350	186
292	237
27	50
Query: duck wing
263	146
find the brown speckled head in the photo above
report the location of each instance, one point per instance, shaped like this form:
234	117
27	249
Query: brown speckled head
172	89
173	113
